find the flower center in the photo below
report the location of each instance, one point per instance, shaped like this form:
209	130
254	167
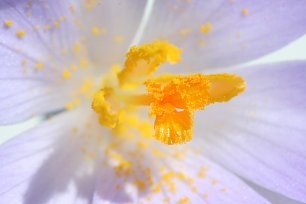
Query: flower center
172	99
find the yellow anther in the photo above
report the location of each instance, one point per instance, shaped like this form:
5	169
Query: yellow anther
8	23
142	61
66	74
20	33
206	28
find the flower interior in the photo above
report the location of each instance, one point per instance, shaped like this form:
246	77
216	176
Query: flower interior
172	99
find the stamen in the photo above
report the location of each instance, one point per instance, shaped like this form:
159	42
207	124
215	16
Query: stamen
108	115
142	61
173	99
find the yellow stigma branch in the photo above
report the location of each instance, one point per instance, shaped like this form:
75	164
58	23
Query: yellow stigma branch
173	99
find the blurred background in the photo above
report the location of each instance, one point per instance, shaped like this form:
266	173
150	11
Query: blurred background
293	51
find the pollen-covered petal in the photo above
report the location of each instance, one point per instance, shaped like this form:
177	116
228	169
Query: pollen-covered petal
46	165
201	180
142	61
263	129
222	32
143	170
163	174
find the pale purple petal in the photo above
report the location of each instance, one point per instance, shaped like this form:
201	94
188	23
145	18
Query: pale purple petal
171	174
235	37
58	36
48	32
26	90
260	134
109	29
46	165
273	197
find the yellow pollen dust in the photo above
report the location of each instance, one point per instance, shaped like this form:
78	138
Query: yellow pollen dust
73	104
8	23
39	66
206	28
56	24
118	38
95	30
172	99
20	33
66	74
185	31
245	11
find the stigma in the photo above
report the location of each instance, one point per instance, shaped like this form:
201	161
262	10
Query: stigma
172	99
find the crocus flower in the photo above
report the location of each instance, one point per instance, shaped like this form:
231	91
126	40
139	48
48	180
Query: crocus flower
72	62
